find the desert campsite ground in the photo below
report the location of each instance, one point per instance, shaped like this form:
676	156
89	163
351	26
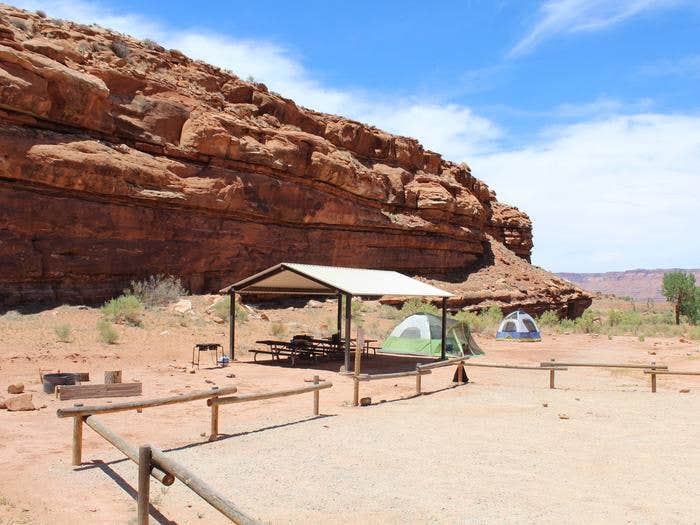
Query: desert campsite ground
504	448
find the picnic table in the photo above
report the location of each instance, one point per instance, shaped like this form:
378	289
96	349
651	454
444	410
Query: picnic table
306	348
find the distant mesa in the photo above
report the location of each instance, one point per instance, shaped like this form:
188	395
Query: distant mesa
637	284
122	159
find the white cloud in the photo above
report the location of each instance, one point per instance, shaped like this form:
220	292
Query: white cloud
617	193
687	66
555	17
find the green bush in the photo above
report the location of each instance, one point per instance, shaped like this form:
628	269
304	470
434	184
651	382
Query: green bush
484	321
417	305
278	329
548	319
223	307
387	311
125	309
107	332
157	290
694	333
587	323
63	333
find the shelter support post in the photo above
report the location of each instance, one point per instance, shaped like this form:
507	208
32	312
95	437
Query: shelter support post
144	484
348	317
232	325
77	440
340	321
444	327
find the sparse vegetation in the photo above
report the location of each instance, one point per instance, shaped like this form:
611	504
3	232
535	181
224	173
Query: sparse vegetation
484	321
63	333
125	309
150	44
548	319
251	79
18	23
157	290
222	308
107	332
119	48
417	305
278	329
40	13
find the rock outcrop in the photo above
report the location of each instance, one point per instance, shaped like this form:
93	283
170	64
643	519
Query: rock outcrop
120	159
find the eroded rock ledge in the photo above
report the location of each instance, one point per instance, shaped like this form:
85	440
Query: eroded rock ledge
120	159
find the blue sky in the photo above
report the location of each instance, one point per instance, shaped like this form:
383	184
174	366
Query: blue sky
583	113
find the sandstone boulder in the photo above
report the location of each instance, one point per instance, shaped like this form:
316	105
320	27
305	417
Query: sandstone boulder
20	402
15	388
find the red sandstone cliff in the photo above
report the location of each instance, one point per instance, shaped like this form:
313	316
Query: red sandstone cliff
120	159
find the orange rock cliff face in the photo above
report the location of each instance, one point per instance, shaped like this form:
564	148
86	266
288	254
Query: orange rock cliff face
120	159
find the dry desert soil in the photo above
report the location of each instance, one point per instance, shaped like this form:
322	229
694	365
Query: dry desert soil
600	448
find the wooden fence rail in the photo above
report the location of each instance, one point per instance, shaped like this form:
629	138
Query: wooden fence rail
606	365
654	373
551	367
215	401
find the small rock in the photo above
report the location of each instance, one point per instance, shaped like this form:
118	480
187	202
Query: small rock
563	416
203	434
230	376
20	402
683	340
15	388
209	381
545	405
652	353
82	307
365	401
2	403
182	306
264	316
684	390
164	332
192	371
218	320
314	304
577	398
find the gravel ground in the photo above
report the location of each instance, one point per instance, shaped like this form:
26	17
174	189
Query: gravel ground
469	455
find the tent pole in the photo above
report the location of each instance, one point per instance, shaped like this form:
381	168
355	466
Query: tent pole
348	316
232	325
444	326
339	327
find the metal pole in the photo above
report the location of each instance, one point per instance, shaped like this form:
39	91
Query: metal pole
444	327
232	325
144	484
348	316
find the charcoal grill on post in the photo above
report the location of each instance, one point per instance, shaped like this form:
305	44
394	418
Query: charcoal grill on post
207	347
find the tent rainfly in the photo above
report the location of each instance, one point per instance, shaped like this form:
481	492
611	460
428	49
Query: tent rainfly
309	279
518	326
421	334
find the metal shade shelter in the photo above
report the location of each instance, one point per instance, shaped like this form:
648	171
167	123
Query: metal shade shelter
309	279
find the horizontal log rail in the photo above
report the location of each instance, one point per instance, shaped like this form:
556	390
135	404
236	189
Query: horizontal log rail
606	365
673	372
520	367
129	450
80	410
444	362
392	375
201	488
654	373
217	401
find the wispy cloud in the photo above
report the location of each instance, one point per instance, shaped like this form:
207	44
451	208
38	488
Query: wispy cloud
606	194
558	17
687	66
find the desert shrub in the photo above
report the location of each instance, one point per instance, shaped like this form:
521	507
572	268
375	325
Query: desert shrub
150	44
125	309
387	311
251	79
548	319
107	332
40	13
278	329
222	308
18	23
119	48
417	305
63	333
157	290
587	323
484	321
641	338
694	333
615	317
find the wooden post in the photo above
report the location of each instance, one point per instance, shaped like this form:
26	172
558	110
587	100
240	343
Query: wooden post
359	342
77	440
418	381
653	382
144	484
316	396
113	376
340	322
232	325
551	376
356	391
214	433
444	327
348	317
460	373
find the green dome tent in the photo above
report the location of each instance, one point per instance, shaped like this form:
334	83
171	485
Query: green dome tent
421	334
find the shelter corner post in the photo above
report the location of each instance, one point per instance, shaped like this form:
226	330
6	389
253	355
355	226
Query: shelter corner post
340	320
348	317
232	325
444	327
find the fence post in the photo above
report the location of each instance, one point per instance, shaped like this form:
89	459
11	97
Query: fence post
77	439
356	391
653	377
214	433
316	396
418	380
460	373
551	375
144	484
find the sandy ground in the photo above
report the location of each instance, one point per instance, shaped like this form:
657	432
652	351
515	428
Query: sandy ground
487	452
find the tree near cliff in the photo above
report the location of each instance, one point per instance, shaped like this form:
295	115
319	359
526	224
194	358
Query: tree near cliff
679	288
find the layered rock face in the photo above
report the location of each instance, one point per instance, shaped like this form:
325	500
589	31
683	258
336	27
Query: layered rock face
119	159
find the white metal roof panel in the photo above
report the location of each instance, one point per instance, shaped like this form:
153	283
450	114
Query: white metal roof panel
325	279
